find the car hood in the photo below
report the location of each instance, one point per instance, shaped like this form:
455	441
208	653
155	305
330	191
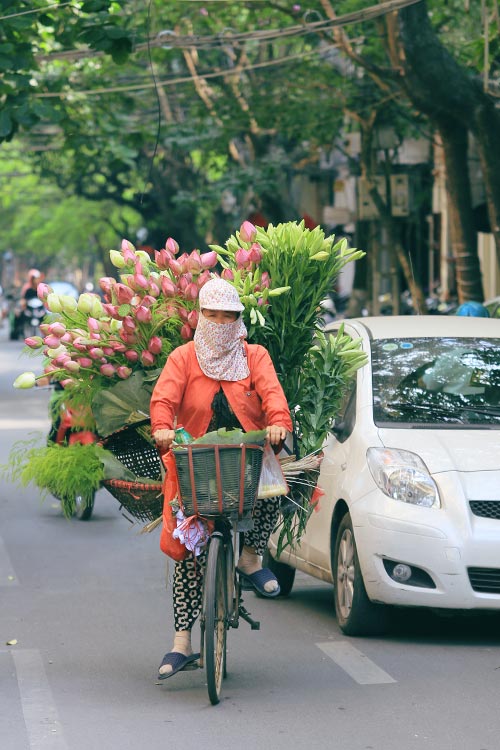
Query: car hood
448	450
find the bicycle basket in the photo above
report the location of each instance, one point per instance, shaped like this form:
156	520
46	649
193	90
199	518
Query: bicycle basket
143	501
135	452
215	479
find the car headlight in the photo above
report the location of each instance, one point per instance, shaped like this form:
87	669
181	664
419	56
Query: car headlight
403	476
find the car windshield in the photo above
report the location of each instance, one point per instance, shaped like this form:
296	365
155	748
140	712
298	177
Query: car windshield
436	381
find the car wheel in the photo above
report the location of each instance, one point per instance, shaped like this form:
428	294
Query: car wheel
283	572
356	614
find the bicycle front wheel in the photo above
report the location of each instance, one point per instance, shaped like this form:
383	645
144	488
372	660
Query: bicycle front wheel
215	617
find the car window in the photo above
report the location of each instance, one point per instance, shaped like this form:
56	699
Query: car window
436	381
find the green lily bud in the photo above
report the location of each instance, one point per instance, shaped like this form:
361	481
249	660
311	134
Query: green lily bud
322	255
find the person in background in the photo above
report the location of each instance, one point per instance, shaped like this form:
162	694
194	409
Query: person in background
216	381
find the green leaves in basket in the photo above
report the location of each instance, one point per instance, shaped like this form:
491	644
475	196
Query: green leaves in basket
231	437
124	403
113	467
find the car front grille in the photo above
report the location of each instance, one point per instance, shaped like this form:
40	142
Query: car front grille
485	508
486	580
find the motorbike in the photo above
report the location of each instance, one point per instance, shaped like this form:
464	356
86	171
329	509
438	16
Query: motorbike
24	320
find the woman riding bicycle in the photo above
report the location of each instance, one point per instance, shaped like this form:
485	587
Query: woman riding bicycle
216	381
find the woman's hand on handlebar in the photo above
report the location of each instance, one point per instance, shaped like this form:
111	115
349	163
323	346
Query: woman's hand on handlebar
164	438
275	434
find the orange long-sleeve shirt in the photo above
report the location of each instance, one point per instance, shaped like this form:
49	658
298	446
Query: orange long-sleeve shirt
184	392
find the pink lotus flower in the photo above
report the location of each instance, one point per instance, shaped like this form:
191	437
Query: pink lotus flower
162	258
155	345
203	278
93	325
183	313
242	258
34	342
143	314
172	245
43	291
129	325
131	355
147	358
44	328
140	282
227	274
208	260
51	341
128	338
72	366
154	289
168	287
193	262
124	372
106	284
123	294
182	260
111	310
57	329
108	370
247	232
96	352
148	300
128	251
67	382
265	280
108	351
191	291
186	332
192	318
175	267
85	361
255	253
118	346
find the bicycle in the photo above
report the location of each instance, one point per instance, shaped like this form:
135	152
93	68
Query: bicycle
209	486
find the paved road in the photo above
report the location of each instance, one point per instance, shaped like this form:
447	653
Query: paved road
88	606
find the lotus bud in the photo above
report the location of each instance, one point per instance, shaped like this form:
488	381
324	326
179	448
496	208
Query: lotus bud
44	328
128	324
193	262
115	325
183	282
247	232
123	293
154	289
96	352
53	303
168	287
265	280
72	366
124	372
26	380
172	311
56	351
34	342
208	260
107	283
67	382
191	291
139	282
85	361
175	267
147	300
117	259
203	278
255	253
108	351
62	359
242	257
131	355
147	358
227	274
97	311
108	370
93	324
172	245
143	314
192	319
183	313
155	345
111	310
42	291
144	257
52	341
68	303
128	250
186	332
118	346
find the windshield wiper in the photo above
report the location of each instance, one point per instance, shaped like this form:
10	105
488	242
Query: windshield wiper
431	409
488	411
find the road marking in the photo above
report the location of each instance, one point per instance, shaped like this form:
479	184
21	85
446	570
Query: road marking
40	715
7	574
355	663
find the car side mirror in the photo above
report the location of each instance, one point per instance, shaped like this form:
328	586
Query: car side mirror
338	428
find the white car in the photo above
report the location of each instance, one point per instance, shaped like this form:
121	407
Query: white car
411	474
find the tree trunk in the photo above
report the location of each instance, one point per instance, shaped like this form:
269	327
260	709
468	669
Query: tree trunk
445	91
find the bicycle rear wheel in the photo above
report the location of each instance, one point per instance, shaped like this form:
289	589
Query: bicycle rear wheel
215	617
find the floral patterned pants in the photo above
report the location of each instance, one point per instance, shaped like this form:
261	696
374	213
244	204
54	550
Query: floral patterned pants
188	573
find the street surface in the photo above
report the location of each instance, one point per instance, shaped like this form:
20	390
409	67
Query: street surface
88	606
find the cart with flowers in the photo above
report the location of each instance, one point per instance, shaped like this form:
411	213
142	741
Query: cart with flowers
108	355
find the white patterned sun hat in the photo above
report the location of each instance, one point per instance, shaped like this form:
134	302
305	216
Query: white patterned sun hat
218	294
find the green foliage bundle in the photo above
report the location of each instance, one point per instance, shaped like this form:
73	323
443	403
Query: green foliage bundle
66	472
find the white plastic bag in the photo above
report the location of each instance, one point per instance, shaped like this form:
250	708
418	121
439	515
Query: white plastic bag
272	482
